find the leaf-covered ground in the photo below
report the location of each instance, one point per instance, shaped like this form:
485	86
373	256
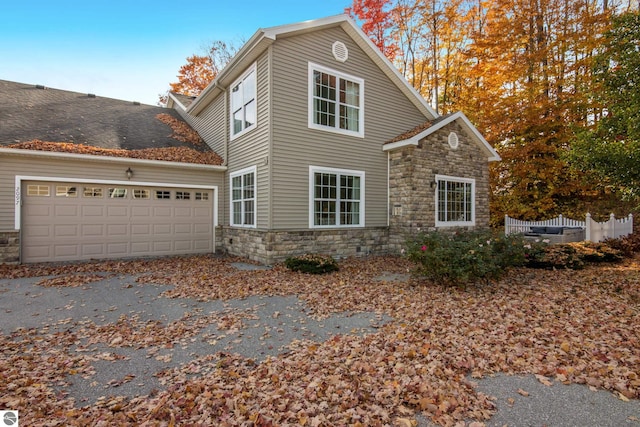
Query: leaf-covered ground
572	326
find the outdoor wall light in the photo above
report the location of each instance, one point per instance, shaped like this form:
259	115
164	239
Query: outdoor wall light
129	173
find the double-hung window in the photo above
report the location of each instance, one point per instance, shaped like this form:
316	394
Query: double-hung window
336	101
244	103
455	201
243	198
336	198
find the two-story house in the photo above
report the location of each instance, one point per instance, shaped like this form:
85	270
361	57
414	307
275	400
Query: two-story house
325	148
330	150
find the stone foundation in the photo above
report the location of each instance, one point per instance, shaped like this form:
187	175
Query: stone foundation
269	247
9	247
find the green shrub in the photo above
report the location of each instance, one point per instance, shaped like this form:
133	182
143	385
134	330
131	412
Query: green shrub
312	263
469	256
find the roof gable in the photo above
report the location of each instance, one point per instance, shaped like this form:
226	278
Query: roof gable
415	135
265	37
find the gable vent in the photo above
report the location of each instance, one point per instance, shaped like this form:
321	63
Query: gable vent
340	51
453	140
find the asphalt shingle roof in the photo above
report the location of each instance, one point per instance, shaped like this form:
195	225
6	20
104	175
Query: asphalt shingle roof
417	130
30	112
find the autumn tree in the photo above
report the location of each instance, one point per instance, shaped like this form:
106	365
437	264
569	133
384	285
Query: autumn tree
200	70
611	148
521	71
376	21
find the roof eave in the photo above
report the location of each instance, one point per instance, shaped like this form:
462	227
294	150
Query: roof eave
176	101
400	144
107	159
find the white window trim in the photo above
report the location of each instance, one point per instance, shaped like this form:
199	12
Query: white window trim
315	67
241	172
473	201
318	169
251	69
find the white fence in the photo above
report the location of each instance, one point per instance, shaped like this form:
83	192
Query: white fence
595	231
611	229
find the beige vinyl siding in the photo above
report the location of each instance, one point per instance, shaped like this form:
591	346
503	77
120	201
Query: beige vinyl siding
13	165
387	113
252	148
211	124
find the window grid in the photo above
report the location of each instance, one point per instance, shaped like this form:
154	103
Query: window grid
201	196
337	199
141	193
92	192
183	195
243	103
38	190
163	194
66	191
117	193
243	199
455	201
336	101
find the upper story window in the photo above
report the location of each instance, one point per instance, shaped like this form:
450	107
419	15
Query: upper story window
455	201
243	197
244	103
336	101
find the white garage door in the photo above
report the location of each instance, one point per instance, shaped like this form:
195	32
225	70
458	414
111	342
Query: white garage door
71	221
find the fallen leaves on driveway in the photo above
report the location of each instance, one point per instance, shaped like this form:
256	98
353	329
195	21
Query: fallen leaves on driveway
575	326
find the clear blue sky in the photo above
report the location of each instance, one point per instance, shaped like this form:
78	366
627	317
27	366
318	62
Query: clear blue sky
129	49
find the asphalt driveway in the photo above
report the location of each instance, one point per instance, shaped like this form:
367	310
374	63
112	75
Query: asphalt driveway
255	327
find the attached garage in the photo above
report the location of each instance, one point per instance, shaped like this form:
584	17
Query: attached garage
63	221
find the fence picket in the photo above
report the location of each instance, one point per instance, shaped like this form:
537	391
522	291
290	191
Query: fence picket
595	231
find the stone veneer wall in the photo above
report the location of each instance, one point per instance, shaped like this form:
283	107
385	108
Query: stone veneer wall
10	247
271	246
412	171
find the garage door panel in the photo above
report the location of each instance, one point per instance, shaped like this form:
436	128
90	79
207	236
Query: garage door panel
36	231
91	210
199	212
182	229
117	211
183	212
65	230
140	211
95	250
200	229
162	246
202	245
118	249
160	229
183	245
66	251
66	211
43	211
162	211
92	230
117	229
140	247
140	229
92	226
35	251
